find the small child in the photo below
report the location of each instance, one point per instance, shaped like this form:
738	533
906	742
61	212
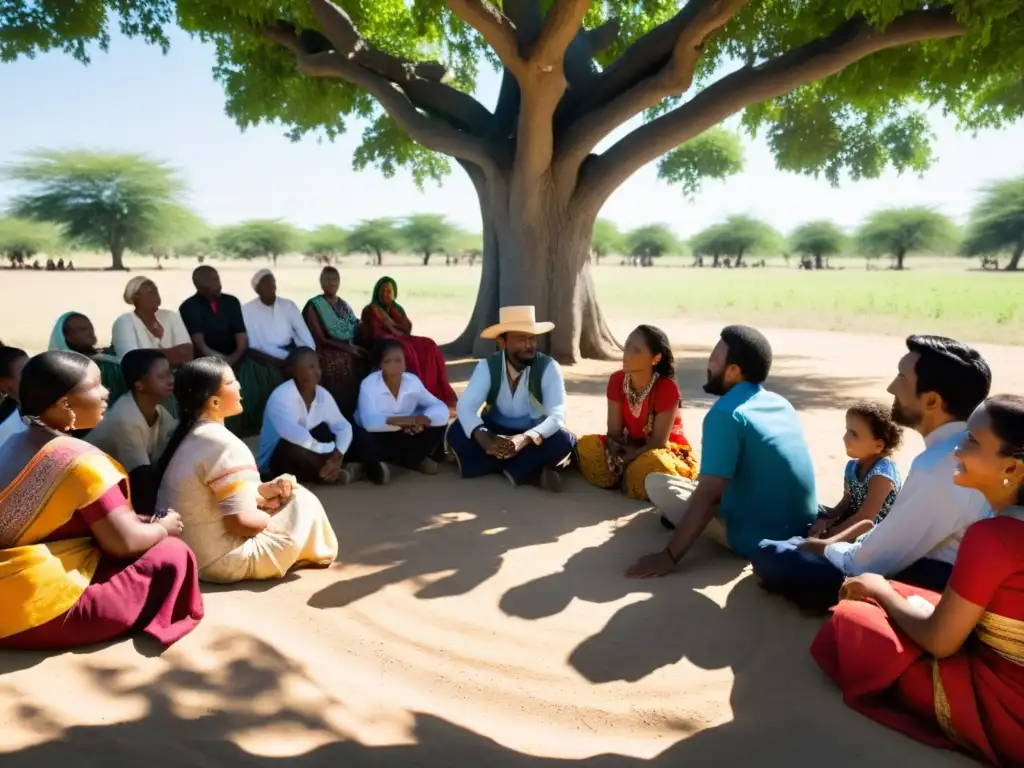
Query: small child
871	480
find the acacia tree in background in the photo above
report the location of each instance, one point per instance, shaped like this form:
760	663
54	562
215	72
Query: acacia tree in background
177	230
834	86
897	232
819	239
997	222
375	237
259	238
427	234
653	241
22	239
606	239
327	243
737	236
114	202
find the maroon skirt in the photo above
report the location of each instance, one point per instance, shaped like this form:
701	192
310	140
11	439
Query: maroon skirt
157	594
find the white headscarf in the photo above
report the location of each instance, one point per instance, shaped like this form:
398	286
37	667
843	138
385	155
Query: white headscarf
259	276
133	287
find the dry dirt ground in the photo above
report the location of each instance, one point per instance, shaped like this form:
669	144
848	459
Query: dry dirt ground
467	623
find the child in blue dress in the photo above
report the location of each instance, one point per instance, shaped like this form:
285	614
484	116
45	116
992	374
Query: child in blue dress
871	480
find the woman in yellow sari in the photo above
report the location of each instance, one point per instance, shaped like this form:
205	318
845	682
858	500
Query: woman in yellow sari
77	565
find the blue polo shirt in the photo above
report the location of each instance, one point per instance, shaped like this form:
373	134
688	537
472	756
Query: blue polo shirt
753	439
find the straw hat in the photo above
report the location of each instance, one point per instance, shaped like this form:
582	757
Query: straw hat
517	320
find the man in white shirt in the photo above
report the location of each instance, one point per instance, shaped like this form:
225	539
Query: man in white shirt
938	385
274	324
521	393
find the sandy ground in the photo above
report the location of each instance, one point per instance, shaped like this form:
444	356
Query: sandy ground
467	623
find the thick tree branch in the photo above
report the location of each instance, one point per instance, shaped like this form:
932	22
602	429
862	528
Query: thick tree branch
432	134
819	59
698	20
421	81
494	27
560	27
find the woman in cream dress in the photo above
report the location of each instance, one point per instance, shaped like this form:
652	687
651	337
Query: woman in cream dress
239	527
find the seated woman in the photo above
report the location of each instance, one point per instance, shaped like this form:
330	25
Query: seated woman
149	326
74	332
80	567
239	527
305	435
12	360
405	424
645	423
949	670
384	318
335	329
137	429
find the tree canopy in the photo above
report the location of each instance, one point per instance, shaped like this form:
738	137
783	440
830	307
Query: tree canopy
736	236
898	231
653	241
607	239
117	202
997	222
427	234
259	238
375	237
836	88
326	242
818	239
715	154
22	239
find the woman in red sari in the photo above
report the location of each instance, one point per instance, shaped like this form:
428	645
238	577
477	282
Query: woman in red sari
384	318
949	670
77	565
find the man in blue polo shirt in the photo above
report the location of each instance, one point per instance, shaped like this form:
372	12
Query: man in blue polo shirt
756	474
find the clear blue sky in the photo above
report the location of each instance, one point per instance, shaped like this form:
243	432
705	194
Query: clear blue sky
136	99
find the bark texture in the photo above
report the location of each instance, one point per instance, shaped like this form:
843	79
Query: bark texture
532	159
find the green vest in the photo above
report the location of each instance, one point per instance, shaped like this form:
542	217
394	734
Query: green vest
495	365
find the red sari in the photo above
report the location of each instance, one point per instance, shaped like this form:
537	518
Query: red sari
972	700
422	356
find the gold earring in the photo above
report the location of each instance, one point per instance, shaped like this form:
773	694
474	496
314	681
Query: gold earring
215	403
71	412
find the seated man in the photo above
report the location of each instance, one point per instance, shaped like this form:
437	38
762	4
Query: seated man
214	321
938	385
273	324
522	395
756	473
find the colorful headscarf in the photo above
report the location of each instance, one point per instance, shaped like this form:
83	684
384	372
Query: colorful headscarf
376	295
133	287
58	342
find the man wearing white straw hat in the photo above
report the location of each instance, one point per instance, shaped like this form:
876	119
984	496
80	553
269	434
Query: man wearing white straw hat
274	324
511	418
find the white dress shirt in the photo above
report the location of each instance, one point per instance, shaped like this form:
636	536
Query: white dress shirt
377	404
516	412
272	329
129	332
125	434
928	518
287	418
11	426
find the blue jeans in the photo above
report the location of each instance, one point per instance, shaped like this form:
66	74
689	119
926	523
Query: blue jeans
521	468
813	583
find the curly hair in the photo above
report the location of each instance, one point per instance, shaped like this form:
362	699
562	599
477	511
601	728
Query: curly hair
879	420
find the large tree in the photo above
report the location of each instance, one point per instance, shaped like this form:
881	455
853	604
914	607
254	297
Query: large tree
737	236
375	237
834	86
22	239
897	232
997	222
819	239
652	241
266	238
116	202
179	230
427	234
606	239
326	243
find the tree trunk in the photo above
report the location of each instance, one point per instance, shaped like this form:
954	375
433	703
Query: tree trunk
739	258
818	261
273	257
1014	264
426	258
380	258
536	252
900	254
116	256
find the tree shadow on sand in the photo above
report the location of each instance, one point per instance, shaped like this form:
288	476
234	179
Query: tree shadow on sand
243	699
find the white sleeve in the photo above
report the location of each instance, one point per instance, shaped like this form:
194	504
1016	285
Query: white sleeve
284	424
176	327
123	335
432	407
300	331
252	328
336	422
369	416
552	386
473	398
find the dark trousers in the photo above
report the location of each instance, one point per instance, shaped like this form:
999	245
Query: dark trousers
142	486
305	465
813	583
522	468
404	449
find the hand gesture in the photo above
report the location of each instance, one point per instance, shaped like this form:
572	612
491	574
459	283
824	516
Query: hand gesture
652	566
332	467
867	586
820	527
171	522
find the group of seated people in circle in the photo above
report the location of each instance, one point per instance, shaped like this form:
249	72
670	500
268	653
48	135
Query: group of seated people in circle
924	575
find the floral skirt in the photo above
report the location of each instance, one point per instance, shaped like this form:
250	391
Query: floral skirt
674	459
342	375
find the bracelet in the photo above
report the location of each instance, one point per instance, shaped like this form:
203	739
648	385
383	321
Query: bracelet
673	558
